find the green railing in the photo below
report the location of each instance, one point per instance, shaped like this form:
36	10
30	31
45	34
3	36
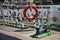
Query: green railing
55	26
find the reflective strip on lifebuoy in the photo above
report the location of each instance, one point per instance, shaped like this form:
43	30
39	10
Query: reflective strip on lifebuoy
34	16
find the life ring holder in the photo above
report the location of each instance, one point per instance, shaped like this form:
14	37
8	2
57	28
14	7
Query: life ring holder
34	16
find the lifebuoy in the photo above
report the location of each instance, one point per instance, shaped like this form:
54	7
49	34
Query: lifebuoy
34	16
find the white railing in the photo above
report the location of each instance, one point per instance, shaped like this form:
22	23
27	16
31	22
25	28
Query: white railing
25	5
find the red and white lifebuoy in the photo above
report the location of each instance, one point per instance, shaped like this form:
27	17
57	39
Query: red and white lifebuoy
34	16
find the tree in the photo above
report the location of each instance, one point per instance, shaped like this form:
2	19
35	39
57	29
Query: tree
2	0
56	1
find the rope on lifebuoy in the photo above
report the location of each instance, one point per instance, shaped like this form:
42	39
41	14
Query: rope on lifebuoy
34	16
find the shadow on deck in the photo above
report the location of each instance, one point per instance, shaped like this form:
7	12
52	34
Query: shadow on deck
56	29
6	37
